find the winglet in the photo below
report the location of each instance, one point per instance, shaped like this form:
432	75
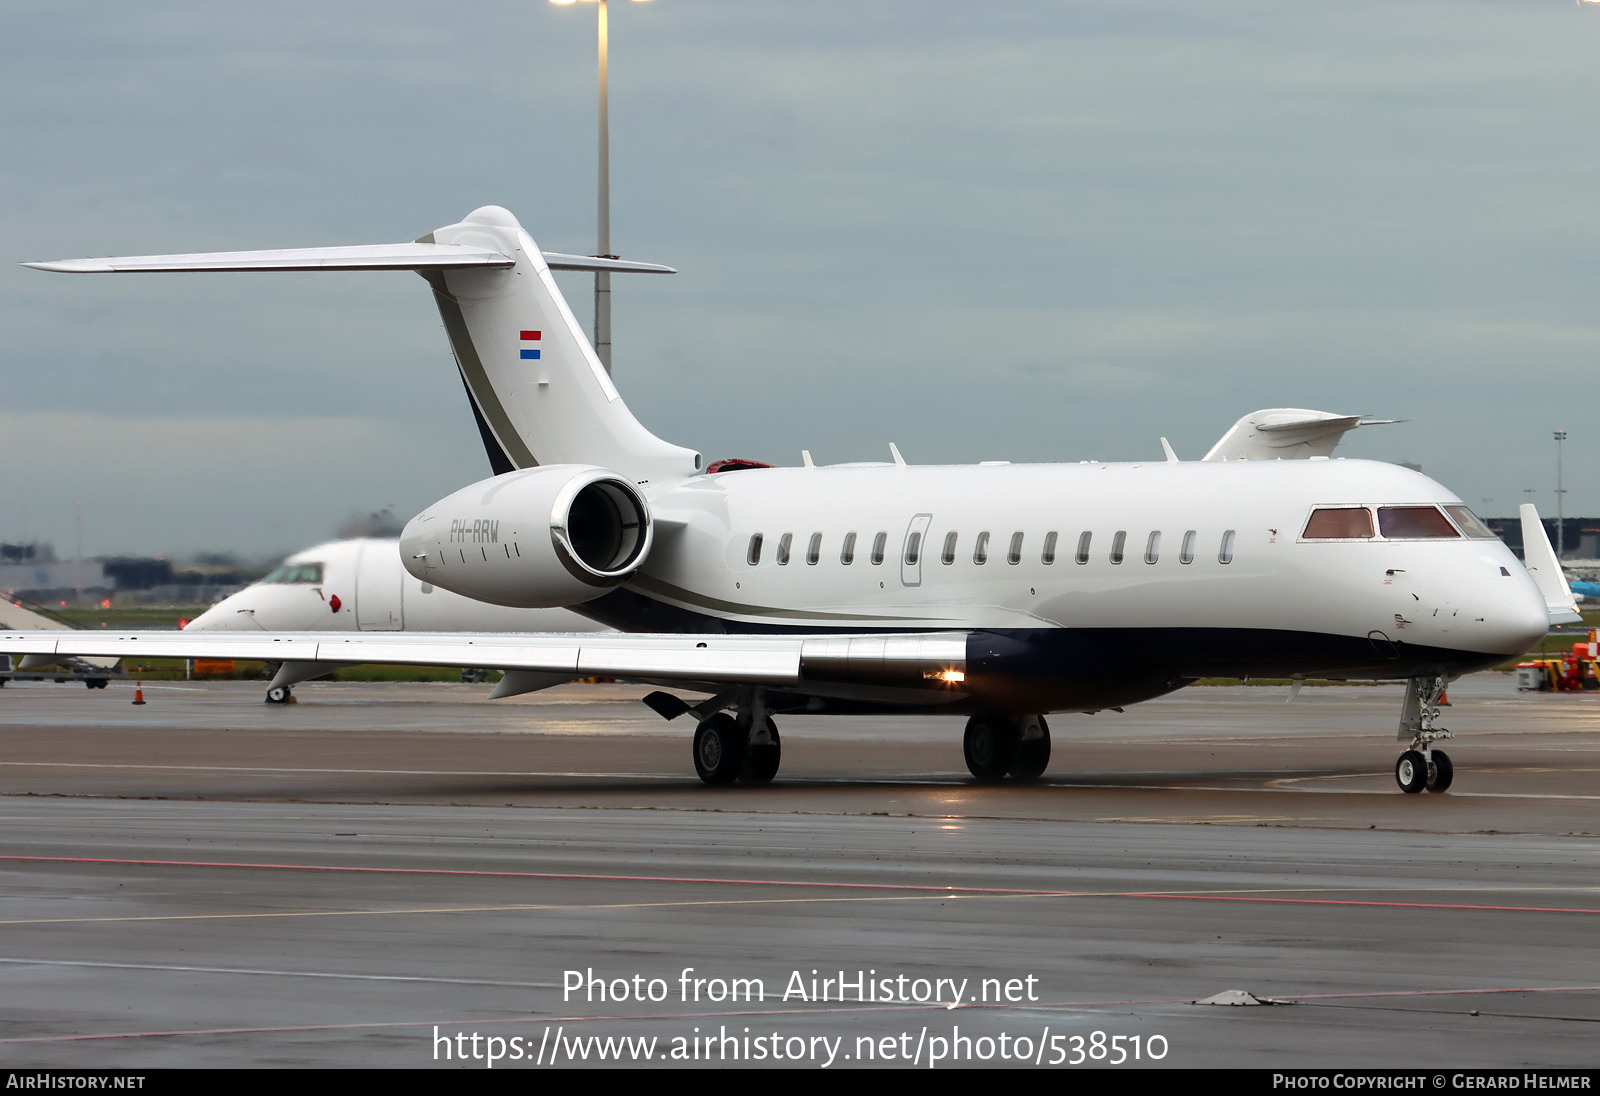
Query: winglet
1286	433
1540	560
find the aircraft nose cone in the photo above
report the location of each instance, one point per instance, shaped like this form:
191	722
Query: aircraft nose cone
205	622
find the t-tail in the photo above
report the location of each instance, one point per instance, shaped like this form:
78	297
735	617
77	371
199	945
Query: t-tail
537	388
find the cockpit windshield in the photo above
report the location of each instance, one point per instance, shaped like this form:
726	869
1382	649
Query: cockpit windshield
1339	523
309	573
1470	523
1415	523
1395	523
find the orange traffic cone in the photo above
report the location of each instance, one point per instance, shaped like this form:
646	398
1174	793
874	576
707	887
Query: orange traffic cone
1444	699
138	693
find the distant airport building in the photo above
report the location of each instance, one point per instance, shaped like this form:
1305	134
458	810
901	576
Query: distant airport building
1583	535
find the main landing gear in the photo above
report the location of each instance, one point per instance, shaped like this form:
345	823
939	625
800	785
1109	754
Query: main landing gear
739	746
729	748
997	746
1422	767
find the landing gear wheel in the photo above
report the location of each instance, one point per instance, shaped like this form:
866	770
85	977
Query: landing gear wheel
1411	772
989	745
719	750
278	694
1440	772
761	762
1032	755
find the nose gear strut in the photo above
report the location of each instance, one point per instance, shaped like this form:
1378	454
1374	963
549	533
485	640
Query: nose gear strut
1423	767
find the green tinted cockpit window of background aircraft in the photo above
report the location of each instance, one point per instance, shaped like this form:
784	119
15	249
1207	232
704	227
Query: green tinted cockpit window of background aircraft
1339	523
1470	523
296	572
1414	522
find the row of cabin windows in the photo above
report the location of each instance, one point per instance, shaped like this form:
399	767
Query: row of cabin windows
980	548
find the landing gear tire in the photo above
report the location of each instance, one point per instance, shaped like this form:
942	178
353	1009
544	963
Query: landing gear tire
761	760
1440	772
719	750
990	744
95	683
278	694
1033	754
1411	772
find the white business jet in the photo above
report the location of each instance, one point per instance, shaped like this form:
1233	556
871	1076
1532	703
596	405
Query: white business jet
359	585
1002	592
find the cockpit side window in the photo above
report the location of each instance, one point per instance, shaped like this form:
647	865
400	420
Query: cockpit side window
1470	523
1414	523
308	573
1339	523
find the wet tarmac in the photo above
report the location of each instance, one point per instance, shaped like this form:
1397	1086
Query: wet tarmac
358	878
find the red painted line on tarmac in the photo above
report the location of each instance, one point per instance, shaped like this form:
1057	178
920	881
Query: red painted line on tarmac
1368	902
920	887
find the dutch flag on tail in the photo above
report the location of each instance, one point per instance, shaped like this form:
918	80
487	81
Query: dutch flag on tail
530	337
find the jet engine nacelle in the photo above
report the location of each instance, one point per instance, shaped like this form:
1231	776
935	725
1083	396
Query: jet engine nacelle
535	538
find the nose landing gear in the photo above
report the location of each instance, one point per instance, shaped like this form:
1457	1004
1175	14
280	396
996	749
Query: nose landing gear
1422	767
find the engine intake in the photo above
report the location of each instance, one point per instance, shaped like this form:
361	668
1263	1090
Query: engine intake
535	538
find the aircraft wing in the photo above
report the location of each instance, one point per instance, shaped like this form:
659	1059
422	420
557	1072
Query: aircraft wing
777	661
1540	559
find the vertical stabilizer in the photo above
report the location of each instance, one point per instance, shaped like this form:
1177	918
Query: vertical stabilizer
539	392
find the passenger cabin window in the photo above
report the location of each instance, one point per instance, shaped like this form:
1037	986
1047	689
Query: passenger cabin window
814	550
1339	523
1014	556
1225	553
753	555
1152	547
785	542
1186	553
1415	523
847	554
980	550
949	556
1119	541
878	543
1048	556
913	549
1469	523
1083	548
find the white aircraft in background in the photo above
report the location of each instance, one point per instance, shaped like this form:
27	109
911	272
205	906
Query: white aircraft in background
359	585
1002	592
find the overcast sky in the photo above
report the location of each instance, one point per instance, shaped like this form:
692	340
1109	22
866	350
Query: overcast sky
1020	231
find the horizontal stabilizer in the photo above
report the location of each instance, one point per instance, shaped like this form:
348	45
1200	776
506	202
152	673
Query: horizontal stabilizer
361	257
1540	559
413	256
555	260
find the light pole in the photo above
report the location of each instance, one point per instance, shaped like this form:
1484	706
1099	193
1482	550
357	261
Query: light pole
602	278
1561	502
